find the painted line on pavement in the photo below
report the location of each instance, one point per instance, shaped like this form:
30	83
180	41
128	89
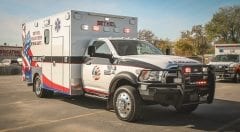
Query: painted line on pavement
53	121
21	102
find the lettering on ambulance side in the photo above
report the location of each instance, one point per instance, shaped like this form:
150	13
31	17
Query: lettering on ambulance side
110	70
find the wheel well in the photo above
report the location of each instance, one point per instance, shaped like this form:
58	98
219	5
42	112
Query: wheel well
115	85
35	75
124	82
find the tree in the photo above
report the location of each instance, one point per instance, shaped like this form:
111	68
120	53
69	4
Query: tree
163	44
5	44
200	41
147	35
193	42
183	47
224	26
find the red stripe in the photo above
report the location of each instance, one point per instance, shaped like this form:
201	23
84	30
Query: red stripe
34	63
94	91
53	85
30	52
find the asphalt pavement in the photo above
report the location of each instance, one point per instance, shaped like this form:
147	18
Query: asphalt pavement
21	110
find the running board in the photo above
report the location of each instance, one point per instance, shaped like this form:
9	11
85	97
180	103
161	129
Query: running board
95	96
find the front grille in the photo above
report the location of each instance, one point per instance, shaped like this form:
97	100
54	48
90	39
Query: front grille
221	68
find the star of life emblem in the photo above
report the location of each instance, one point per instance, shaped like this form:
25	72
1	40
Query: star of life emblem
57	25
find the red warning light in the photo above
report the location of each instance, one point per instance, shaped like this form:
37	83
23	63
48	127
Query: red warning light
126	30
96	28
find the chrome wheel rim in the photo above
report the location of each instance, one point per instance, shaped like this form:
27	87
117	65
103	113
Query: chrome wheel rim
38	86
124	104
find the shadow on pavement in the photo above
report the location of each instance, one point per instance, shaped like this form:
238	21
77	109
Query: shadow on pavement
208	117
226	81
82	101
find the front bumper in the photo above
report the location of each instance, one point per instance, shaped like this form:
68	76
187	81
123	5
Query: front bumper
175	95
222	75
184	93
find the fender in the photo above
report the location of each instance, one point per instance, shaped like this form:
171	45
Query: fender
130	79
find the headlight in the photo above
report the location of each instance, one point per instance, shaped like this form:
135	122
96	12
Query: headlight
205	69
150	75
233	67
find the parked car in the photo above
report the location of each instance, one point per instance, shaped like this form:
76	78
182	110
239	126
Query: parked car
9	67
8	62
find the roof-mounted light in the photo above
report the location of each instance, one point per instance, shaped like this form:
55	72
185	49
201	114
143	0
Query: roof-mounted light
84	27
96	28
116	30
107	19
47	22
126	30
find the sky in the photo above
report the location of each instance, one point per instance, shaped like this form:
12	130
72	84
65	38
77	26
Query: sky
165	18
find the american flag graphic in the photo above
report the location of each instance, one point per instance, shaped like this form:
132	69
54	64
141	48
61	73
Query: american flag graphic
26	47
26	55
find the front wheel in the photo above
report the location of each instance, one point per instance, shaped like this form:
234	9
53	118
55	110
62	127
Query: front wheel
237	78
186	109
127	103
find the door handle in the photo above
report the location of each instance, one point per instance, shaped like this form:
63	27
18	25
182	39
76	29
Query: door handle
54	63
89	63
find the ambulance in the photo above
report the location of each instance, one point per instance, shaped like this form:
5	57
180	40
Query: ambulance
99	55
227	62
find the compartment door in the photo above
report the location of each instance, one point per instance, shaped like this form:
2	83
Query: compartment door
57	64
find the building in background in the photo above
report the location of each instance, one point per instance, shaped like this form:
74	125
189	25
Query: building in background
10	52
227	49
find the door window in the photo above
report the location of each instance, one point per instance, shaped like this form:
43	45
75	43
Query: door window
101	47
46	36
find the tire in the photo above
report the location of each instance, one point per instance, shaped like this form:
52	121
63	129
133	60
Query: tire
127	103
186	109
39	91
237	78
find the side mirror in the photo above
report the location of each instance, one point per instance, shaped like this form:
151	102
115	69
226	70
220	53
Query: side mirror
91	51
167	51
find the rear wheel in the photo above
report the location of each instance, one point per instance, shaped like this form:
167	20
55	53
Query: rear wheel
186	109
127	103
39	91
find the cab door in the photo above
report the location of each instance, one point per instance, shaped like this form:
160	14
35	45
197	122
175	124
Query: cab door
97	71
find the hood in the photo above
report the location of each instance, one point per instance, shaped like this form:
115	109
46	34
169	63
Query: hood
161	61
221	63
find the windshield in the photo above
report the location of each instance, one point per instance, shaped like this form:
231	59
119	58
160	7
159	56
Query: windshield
134	47
226	58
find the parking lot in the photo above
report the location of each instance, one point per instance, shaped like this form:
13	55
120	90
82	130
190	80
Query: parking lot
21	110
